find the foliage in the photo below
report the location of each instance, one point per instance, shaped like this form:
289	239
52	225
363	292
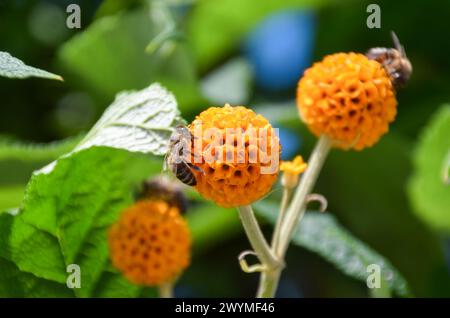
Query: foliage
70	203
236	17
429	188
322	234
14	68
136	121
110	56
18	150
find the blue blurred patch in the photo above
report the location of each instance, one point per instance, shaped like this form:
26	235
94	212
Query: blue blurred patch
280	48
290	143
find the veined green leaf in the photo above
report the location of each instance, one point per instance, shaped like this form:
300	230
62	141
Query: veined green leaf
322	234
429	188
70	204
14	283
14	68
138	121
65	216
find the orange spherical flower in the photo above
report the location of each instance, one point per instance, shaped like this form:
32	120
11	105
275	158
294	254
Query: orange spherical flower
237	152
349	98
150	244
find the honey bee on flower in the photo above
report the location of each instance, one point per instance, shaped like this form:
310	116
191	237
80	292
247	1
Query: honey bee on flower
350	97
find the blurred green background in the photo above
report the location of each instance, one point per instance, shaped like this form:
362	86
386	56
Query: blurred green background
248	52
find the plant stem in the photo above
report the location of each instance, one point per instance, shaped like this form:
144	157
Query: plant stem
166	290
298	205
268	283
269	279
256	238
284	204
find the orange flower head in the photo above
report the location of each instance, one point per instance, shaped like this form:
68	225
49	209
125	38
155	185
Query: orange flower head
349	98
150	244
239	155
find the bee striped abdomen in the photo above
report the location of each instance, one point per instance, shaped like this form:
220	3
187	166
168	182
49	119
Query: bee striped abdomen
184	174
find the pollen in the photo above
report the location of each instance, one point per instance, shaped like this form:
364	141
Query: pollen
349	98
238	154
150	244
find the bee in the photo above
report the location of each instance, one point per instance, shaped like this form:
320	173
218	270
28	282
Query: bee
394	60
161	188
181	140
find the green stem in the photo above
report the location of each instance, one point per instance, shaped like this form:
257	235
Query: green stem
268	283
284	204
166	290
256	238
269	279
297	207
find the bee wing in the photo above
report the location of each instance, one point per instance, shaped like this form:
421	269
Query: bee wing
165	165
397	44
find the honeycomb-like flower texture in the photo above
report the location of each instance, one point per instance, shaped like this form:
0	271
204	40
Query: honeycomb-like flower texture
232	184
150	244
349	98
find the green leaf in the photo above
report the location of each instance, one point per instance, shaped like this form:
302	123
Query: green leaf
429	187
14	283
231	83
139	121
14	68
322	234
112	285
35	152
65	217
10	196
64	213
70	204
19	159
111	7
216	28
109	56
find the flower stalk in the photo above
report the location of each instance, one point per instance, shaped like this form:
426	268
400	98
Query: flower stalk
166	290
287	221
297	207
287	192
256	238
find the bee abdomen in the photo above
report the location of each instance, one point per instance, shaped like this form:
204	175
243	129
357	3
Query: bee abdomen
185	175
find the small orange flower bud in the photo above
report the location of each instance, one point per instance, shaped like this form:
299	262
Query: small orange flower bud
243	168
349	98
150	244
